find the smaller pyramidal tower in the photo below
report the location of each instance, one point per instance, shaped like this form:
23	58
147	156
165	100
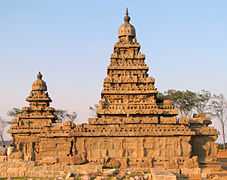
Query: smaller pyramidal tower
26	128
129	94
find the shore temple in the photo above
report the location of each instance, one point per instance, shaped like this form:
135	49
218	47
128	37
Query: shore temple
132	127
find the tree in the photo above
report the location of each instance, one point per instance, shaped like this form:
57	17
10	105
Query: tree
63	115
203	98
71	116
188	102
2	128
14	112
160	97
185	101
60	114
217	107
93	109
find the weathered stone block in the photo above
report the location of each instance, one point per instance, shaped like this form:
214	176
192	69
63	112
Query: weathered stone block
158	174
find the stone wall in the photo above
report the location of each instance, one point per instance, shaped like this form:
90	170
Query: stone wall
129	151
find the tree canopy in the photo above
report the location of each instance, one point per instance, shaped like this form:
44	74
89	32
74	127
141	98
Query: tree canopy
2	128
60	114
65	115
14	112
189	103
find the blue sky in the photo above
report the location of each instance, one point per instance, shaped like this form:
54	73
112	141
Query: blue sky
70	42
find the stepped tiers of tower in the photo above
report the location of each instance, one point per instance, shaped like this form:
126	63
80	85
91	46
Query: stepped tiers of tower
132	127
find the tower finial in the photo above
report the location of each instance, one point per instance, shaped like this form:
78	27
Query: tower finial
39	76
39	84
126	12
126	18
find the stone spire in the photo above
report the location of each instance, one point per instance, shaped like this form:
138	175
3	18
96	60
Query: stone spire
39	96
126	31
126	18
128	91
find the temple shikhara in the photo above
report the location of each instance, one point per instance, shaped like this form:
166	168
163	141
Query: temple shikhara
132	129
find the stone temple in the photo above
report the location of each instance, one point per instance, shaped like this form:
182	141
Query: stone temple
132	127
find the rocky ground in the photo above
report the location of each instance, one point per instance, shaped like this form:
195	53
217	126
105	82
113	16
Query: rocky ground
28	170
21	170
72	174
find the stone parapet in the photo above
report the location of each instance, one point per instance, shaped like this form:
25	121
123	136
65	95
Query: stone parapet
136	130
128	67
119	92
135	109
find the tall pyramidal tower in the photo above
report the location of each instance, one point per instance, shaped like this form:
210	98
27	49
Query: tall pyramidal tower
134	126
129	94
132	123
